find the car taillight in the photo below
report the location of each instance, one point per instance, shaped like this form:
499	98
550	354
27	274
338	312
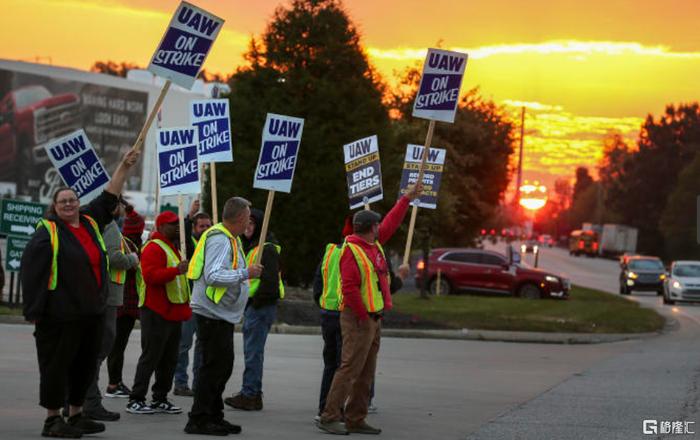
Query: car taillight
595	245
420	265
581	244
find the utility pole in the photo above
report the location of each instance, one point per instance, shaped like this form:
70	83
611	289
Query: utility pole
519	180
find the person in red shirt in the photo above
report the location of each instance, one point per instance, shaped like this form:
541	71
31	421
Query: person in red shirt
165	305
360	320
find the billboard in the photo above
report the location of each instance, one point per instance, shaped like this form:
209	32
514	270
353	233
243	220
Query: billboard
36	110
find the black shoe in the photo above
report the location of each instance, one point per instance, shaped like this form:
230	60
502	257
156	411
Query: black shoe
55	426
246	403
102	414
183	391
165	406
84	424
230	427
119	391
206	428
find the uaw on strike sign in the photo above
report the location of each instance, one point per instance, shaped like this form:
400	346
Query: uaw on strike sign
78	164
431	177
185	45
278	155
211	117
438	93
178	165
364	171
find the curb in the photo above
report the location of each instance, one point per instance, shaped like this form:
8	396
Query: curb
463	334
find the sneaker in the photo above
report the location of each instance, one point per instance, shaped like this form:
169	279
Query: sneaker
372	409
230	427
102	414
183	391
138	407
81	422
317	419
119	391
164	406
241	401
332	427
363	428
55	426
206	428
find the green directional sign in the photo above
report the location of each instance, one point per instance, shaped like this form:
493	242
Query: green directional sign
20	218
13	252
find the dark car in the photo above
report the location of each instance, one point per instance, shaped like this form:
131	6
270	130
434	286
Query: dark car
642	274
487	271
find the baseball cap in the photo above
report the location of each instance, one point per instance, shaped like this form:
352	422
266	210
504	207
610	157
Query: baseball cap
166	217
366	218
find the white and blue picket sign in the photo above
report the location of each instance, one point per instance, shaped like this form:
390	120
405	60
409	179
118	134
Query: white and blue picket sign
185	45
281	139
178	164
78	164
438	94
211	118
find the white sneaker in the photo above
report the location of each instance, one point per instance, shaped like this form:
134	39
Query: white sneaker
138	407
372	409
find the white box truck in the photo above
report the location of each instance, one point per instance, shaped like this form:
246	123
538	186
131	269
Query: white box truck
615	240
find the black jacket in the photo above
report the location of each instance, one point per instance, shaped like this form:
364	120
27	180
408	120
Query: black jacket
77	294
268	292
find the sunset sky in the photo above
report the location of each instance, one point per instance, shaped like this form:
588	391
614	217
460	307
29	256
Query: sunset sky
583	68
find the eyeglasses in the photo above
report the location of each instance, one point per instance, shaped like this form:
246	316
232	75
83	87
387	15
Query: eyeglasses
67	201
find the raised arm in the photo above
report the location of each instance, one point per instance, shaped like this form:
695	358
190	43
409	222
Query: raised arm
116	185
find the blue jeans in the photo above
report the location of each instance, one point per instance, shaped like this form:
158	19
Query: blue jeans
256	326
189	329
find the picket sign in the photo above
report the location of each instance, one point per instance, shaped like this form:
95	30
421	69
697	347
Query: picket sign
281	139
181	219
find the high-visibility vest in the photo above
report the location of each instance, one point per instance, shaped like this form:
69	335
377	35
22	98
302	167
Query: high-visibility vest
177	290
369	287
118	276
53	235
196	267
255	283
194	241
332	295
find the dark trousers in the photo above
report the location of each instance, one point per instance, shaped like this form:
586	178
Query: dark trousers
67	353
160	340
216	337
332	353
115	361
93	398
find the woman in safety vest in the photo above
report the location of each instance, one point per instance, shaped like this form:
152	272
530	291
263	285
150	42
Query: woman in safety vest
65	276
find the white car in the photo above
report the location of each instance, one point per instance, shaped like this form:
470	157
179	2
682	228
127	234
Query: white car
683	282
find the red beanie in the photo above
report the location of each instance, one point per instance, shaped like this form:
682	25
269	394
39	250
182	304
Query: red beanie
133	223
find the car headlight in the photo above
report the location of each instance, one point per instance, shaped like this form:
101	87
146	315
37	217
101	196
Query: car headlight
535	248
632	275
523	248
677	285
551	279
662	277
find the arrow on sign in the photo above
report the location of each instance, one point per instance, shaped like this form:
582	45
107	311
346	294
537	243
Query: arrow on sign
25	229
13	263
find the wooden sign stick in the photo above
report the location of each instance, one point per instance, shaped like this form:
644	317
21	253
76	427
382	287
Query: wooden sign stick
181	218
212	178
414	212
149	121
266	222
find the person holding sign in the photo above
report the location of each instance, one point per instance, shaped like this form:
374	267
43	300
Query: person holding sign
366	295
220	273
65	281
260	312
164	296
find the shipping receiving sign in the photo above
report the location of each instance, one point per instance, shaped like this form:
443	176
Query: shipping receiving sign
363	171
20	217
281	139
211	118
438	93
185	45
178	165
431	177
78	164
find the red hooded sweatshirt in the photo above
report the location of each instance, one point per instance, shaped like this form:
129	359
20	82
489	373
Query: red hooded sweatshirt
156	275
350	272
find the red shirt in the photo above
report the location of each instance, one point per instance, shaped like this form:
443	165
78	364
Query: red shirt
350	272
156	274
90	248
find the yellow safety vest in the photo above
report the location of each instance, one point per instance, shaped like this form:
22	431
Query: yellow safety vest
196	267
178	290
118	276
369	288
53	236
332	295
255	283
